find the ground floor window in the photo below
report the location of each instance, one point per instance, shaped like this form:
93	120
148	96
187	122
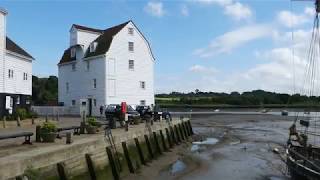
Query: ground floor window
143	102
95	102
73	102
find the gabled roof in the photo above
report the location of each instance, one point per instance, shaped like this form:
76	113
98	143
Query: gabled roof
13	47
66	57
104	41
86	28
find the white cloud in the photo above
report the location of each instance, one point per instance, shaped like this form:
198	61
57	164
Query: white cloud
235	10
234	39
202	69
289	19
184	10
155	9
238	11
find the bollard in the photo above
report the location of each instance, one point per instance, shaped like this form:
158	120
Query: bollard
46	117
69	138
4	121
32	120
38	131
82	127
18	122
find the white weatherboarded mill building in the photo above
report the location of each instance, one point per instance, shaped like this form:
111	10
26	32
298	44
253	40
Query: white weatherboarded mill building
104	67
15	72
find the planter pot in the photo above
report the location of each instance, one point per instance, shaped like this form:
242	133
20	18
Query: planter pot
91	129
48	137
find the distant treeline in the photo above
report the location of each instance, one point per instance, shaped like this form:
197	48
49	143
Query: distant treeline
45	90
252	98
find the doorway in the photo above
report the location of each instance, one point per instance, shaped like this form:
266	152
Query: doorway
90	107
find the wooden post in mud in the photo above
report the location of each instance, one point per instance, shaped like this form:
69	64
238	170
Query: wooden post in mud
181	132
61	171
173	135
90	167
169	138
157	142
177	133
112	164
164	145
127	156
149	146
4	120
186	128
136	140
190	127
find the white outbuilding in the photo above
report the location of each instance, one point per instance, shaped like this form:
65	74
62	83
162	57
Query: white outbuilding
102	67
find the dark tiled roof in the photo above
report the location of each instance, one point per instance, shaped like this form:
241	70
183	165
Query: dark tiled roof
104	42
87	28
13	47
66	57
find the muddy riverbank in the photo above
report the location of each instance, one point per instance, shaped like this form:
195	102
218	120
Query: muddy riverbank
243	150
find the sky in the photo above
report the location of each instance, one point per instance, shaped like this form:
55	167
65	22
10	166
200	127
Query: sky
210	45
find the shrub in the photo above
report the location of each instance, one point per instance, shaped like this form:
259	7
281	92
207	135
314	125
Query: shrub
92	121
21	112
48	127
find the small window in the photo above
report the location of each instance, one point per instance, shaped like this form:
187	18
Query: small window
131	64
131	46
88	65
94	83
130	31
73	52
73	67
95	102
143	102
9	73
25	76
73	102
18	100
142	84
93	46
67	87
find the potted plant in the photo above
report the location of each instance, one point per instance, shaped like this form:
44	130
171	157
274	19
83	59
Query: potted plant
92	125
48	132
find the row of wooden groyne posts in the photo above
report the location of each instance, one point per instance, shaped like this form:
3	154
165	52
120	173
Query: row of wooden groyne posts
110	157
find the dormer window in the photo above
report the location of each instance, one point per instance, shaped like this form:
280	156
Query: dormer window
73	52
93	46
130	30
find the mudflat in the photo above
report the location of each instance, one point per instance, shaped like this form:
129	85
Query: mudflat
226	147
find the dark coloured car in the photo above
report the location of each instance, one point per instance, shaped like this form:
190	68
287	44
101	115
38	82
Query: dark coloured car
113	113
144	111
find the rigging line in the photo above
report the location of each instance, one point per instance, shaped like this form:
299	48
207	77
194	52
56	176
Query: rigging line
292	49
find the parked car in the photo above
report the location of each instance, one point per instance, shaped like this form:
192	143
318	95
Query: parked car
144	111
113	114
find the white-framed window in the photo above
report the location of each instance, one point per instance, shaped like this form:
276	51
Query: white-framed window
88	65
73	102
10	73
142	84
94	83
73	52
74	67
143	102
131	46
93	46
131	64
25	76
95	102
130	31
67	87
18	100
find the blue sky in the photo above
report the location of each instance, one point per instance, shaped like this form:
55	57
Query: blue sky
212	45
